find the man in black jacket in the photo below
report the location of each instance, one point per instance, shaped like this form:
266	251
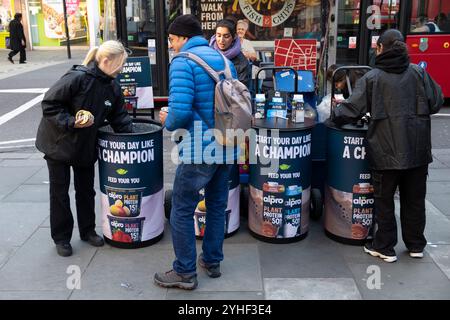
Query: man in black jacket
400	98
17	39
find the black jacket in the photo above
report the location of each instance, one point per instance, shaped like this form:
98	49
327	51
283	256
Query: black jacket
399	133
85	88
243	68
16	35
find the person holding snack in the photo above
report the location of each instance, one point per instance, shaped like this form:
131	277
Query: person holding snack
74	108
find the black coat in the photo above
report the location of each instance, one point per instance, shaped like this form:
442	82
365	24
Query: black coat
16	35
85	88
243	69
399	134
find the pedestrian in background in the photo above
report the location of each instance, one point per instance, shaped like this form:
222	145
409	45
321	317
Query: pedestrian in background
400	98
191	107
69	141
228	43
17	40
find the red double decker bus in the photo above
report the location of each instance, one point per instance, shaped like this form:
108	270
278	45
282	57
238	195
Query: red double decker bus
428	39
424	23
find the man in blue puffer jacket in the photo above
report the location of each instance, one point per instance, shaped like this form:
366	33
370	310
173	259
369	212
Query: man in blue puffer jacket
191	113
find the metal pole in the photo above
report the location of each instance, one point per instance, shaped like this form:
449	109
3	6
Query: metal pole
69	54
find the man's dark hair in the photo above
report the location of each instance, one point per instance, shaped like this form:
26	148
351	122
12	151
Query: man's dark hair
17	16
391	38
225	23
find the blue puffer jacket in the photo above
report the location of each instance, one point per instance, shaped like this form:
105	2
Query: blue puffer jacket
191	103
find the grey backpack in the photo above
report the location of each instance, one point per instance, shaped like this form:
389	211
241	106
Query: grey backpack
232	102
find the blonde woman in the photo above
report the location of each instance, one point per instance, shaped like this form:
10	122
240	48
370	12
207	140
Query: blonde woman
68	139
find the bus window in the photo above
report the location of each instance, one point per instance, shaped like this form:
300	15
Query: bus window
347	35
430	16
429	38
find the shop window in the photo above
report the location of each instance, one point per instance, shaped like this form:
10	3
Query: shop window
268	20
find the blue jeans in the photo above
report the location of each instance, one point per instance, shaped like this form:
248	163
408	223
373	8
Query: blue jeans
189	180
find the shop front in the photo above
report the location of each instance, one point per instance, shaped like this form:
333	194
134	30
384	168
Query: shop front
47	26
142	25
7	11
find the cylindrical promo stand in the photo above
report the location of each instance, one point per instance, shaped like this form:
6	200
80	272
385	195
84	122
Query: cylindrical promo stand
280	180
131	184
349	197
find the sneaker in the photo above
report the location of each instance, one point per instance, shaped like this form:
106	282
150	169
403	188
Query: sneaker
10	60
171	279
64	249
368	249
418	255
22	62
213	271
93	239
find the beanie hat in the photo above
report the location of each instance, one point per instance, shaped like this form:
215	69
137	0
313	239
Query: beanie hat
186	25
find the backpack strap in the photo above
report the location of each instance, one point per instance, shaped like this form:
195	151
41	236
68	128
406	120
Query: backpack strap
227	70
202	63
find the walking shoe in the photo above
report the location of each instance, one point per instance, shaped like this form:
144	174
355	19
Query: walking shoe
64	249
213	271
171	279
93	239
368	249
10	60
418	255
22	62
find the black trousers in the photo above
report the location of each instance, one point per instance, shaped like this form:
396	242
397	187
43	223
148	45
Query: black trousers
61	219
412	185
23	54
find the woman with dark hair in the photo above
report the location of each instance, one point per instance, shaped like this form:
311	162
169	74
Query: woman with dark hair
228	43
400	98
340	78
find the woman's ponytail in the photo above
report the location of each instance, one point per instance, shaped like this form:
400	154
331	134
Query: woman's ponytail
90	56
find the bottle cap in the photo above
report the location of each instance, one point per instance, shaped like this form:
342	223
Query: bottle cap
260	97
298	97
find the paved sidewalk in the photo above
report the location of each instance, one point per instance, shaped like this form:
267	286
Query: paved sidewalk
37	59
314	268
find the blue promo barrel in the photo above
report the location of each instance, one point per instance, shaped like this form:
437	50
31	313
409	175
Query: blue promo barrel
280	180
349	200
131	184
232	213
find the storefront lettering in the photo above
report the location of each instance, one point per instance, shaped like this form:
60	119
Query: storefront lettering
211	12
258	7
248	9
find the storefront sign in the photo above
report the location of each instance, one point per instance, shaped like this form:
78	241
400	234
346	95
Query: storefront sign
268	21
211	11
136	83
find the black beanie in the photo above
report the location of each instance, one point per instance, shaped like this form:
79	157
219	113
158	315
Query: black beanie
186	25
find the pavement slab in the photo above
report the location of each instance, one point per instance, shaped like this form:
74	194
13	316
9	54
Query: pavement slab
22	221
36	266
404	281
311	289
11	179
316	256
441	256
